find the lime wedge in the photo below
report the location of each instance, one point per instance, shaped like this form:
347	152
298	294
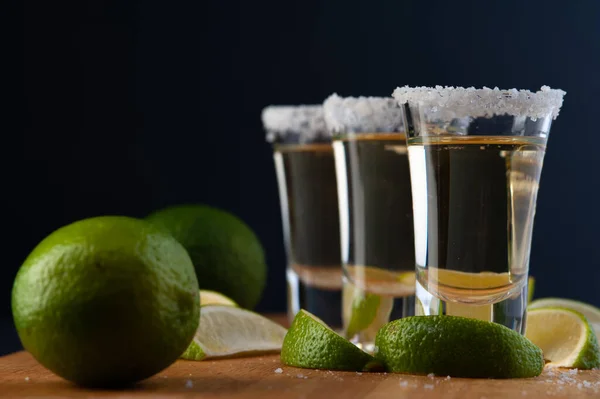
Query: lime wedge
591	313
310	343
208	297
565	337
227	331
456	346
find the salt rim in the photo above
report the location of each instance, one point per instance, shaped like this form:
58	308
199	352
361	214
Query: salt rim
485	101
362	114
305	121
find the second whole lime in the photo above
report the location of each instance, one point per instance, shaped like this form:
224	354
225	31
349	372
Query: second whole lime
227	255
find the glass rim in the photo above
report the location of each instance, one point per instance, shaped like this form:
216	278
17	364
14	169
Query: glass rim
363	114
304	121
484	102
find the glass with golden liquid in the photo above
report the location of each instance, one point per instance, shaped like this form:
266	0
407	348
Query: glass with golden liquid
376	221
306	178
475	158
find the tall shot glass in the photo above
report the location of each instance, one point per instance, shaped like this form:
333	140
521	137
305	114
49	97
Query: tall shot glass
306	179
375	213
475	157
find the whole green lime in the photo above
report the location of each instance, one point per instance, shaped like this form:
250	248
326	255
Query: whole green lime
106	301
227	255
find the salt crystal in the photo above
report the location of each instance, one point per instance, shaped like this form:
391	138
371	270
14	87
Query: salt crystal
362	114
572	371
358	373
448	378
587	384
278	370
459	102
26	378
304	121
301	376
189	384
430	375
560	382
428	386
403	383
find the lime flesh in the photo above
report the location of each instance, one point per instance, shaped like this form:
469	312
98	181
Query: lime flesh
227	331
565	337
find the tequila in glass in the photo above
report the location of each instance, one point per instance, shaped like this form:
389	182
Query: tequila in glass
306	179
475	159
375	213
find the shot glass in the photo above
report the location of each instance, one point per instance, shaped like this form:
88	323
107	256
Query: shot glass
306	179
375	207
475	157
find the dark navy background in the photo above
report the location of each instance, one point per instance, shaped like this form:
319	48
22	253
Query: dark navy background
130	106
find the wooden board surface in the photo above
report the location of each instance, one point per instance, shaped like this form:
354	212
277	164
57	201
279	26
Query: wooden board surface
265	377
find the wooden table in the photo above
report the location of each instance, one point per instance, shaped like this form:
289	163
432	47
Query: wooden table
265	377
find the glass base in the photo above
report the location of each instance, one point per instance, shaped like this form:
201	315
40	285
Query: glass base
364	313
323	302
509	311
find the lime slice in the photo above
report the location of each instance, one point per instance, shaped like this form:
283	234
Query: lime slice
591	313
456	346
310	343
565	337
227	331
208	297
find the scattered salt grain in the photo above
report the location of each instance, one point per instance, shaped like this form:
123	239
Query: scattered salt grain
428	386
189	384
403	383
572	371
430	375
301	376
358	373
278	370
26	378
587	384
448	378
560	382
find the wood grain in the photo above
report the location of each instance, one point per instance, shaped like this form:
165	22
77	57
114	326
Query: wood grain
256	377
